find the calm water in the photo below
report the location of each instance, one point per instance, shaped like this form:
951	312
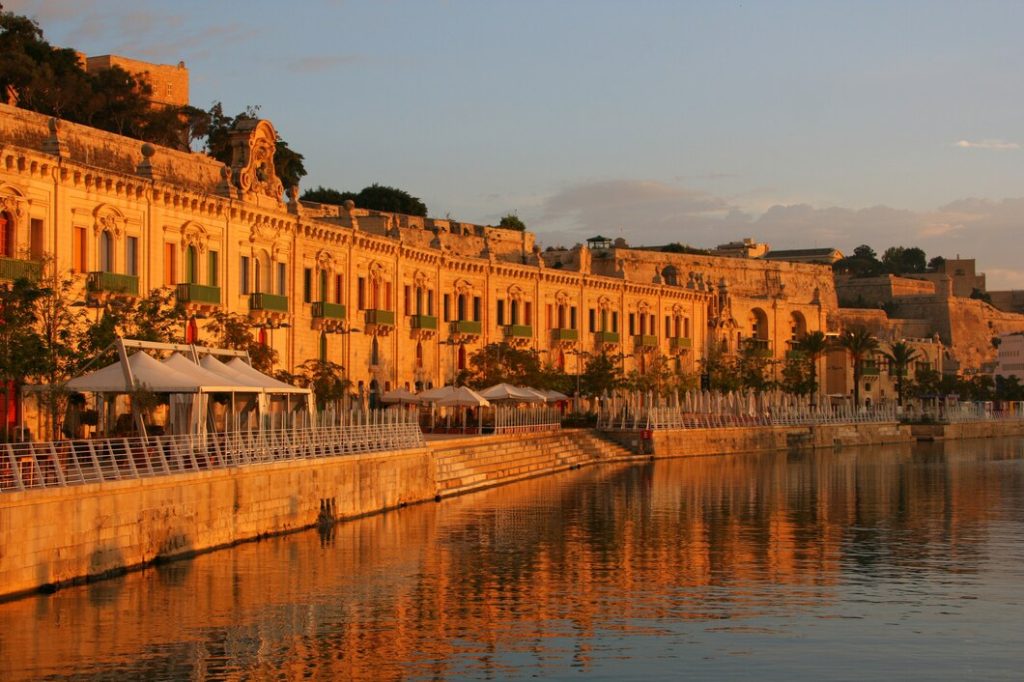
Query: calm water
876	564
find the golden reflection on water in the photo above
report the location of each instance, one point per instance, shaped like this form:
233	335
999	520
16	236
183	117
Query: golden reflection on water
559	574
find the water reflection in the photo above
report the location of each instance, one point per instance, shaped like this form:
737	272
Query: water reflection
892	561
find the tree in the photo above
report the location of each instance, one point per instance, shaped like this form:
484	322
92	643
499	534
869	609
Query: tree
813	345
900	355
501	362
936	263
899	260
512	221
601	375
19	339
375	197
859	344
720	368
797	375
752	365
327	379
156	317
234	330
863	263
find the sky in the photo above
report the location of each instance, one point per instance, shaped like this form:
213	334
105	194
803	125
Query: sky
800	124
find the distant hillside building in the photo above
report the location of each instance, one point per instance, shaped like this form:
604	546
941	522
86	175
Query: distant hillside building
825	256
1010	359
963	273
169	82
747	248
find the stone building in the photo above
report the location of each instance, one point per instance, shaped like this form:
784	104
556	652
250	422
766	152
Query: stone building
168	81
397	300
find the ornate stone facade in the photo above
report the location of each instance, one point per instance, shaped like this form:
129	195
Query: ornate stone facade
398	300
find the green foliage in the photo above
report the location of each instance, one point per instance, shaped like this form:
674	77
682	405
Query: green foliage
327	379
860	344
676	247
157	317
798	375
900	355
936	263
512	221
901	260
660	378
503	363
234	331
980	295
601	375
747	369
288	164
375	197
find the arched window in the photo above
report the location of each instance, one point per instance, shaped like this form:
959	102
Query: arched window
460	307
106	251
513	310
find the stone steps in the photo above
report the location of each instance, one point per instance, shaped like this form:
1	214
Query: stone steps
486	462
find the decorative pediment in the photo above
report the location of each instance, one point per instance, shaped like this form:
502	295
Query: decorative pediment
194	234
420	278
515	291
253	144
377	271
11	201
325	260
463	286
108	219
561	298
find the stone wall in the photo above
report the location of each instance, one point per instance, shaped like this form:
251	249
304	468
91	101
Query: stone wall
694	442
54	536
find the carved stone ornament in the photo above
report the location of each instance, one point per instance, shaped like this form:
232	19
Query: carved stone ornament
11	204
108	219
325	260
263	232
194	234
253	143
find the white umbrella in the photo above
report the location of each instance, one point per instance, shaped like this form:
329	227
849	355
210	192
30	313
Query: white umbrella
432	395
464	396
401	396
511	393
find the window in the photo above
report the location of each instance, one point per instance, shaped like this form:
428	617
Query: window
307	285
387	296
632	324
374	352
686	327
550	309
282	279
170	265
446	305
36	239
243	275
590	320
476	308
513	311
131	255
338	288
213	269
361	293
78	254
460	307
572	317
668	326
191	265
430	302
323	347
615	322
6	235
526	312
407	299
501	312
106	251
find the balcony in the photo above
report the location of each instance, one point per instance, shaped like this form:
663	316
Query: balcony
606	337
519	331
112	283
323	310
428	322
680	343
13	268
198	293
271	303
869	370
564	335
645	341
470	327
381	318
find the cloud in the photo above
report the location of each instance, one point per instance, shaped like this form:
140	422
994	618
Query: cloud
316	63
996	145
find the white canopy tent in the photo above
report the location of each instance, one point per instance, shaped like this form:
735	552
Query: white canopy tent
508	392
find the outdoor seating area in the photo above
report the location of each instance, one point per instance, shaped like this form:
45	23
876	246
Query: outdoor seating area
502	408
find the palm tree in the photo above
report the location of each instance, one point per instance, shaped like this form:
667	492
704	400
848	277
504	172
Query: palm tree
900	356
813	346
859	343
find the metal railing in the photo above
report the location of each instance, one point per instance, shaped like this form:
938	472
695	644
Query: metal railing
656	418
515	419
62	463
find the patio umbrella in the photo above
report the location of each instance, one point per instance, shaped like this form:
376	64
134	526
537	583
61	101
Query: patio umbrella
463	396
432	395
401	396
510	393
